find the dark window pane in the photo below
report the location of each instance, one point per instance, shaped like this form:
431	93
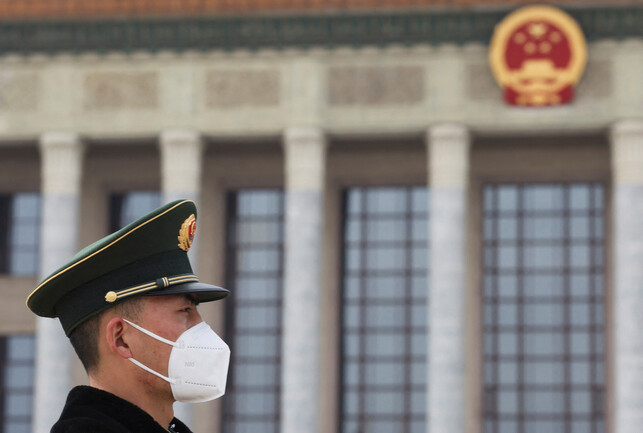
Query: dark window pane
20	348
254	274
384	310
543	308
20	216
17	353
127	207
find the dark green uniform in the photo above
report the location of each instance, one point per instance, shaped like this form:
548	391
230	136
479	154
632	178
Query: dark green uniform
91	410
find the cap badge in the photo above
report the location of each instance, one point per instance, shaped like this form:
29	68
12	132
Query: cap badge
186	234
537	55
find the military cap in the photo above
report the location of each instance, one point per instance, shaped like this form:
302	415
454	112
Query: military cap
147	257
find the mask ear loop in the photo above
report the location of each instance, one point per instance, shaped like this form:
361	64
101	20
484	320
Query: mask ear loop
153	335
145	367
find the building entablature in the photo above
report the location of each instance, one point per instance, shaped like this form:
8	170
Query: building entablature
346	91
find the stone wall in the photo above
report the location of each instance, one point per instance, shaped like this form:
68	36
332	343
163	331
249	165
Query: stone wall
344	91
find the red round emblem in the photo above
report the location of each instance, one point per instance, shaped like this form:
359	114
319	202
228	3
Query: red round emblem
537	55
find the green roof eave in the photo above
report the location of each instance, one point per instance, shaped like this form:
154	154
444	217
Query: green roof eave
303	31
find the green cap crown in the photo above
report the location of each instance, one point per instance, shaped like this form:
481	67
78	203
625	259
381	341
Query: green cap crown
149	256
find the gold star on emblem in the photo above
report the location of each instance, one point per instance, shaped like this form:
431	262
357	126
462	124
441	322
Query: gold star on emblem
544	47
555	37
520	38
537	30
530	47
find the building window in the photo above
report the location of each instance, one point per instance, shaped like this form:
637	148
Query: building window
543	295
127	207
19	233
384	310
255	276
17	355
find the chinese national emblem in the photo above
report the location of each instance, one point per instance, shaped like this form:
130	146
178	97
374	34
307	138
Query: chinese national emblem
186	233
537	55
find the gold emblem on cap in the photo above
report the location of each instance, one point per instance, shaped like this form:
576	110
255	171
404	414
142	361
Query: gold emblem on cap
111	296
186	234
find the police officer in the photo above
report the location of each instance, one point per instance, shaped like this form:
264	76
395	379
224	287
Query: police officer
128	304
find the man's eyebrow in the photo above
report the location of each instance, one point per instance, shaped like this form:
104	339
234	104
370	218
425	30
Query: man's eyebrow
191	297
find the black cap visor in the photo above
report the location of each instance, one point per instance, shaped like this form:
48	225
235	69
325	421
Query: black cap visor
203	292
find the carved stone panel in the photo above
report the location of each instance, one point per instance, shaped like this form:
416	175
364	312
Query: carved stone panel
480	83
597	81
19	91
375	85
237	88
120	90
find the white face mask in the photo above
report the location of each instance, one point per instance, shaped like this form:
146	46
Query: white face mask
198	366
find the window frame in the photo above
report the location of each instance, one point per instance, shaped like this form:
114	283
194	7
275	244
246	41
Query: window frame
408	273
230	415
596	239
9	223
6	362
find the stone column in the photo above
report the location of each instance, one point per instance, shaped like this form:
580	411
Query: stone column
305	149
62	156
448	149
181	162
181	155
627	168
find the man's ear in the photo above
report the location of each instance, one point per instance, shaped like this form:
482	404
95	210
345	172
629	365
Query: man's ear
116	338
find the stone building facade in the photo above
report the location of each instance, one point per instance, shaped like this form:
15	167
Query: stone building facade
406	252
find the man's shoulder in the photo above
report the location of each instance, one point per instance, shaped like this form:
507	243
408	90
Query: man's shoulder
90	410
87	425
85	413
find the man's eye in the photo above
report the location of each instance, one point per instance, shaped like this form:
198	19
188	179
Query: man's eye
186	309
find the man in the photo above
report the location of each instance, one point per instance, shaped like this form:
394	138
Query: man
128	305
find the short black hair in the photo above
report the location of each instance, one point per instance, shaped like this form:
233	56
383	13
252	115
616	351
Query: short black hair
84	338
